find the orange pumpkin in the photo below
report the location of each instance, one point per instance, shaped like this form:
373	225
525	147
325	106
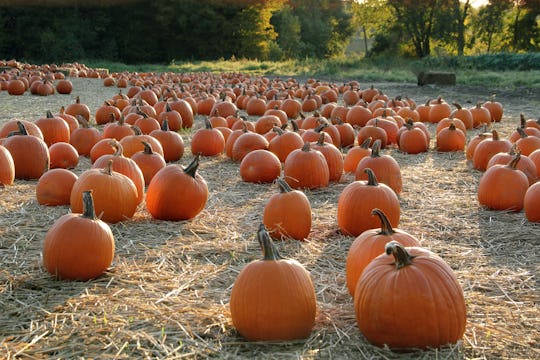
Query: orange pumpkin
7	167
260	166
54	187
78	246
259	290
306	168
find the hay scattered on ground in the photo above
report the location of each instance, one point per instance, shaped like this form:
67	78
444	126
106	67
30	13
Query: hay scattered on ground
166	295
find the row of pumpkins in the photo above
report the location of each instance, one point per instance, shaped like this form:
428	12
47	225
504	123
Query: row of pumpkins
137	136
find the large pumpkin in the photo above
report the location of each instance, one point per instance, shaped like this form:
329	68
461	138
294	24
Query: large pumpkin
79	246
409	298
273	298
306	168
175	193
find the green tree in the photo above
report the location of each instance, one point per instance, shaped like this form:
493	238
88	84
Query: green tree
288	28
372	17
489	22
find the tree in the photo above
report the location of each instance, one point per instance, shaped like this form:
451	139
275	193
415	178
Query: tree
490	21
417	19
371	16
288	28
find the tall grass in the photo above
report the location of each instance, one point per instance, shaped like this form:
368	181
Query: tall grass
502	70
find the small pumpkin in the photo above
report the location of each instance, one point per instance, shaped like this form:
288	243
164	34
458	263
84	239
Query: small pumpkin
277	286
54	187
287	214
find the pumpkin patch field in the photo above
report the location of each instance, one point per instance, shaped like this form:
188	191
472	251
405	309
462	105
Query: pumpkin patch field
223	209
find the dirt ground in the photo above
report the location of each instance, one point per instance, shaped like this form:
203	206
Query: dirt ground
166	294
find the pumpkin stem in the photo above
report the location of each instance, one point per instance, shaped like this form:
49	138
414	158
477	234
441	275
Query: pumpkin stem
207	123
366	143
191	169
22	128
165	125
522	133
386	227
522	121
108	168
495	134
295	125
376	148
306	147
513	163
268	248
49	114
321	142
283	186
147	148
277	130
88	205
372	179
402	257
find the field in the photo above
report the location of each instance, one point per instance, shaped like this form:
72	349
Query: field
166	294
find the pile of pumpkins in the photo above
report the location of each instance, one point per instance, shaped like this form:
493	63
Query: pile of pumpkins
299	136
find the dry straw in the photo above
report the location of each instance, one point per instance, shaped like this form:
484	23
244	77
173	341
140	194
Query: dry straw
166	294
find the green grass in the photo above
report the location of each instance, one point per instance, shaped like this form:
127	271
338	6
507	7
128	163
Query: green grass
382	69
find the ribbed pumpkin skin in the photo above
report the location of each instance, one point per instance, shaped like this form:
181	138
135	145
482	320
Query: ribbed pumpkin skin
417	306
115	194
260	166
175	195
78	248
54	187
30	156
531	203
370	244
306	168
273	298
7	167
288	214
357	201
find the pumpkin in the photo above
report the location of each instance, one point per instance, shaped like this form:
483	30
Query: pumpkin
63	155
333	157
54	187
450	139
273	298
84	137
115	194
412	140
71	120
531	203
525	164
207	141
374	132
12	126
523	130
347	134
535	158
385	167
16	87
266	122
526	144
438	110
107	113
355	154
503	187
78	108
370	244
30	154
53	128
474	141
260	166
176	193
247	142
287	214
7	167
133	143
171	142
284	143
149	162
464	115
123	165
358	199
64	86
78	246
306	168
487	148
173	118
117	130
495	108
480	115
404	286
358	115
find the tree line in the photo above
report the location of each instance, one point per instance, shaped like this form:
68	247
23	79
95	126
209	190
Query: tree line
163	31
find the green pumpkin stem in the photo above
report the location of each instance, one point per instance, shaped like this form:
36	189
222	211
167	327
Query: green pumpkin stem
88	205
191	169
386	227
402	257
269	250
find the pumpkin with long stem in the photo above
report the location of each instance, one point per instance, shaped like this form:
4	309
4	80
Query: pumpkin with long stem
370	244
409	298
79	246
273	298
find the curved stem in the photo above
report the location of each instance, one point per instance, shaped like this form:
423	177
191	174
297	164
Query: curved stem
191	169
165	125
267	246
372	179
402	257
284	187
147	148
376	148
386	227
365	144
22	128
513	163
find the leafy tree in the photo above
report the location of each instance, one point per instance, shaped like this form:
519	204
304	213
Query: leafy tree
372	17
490	21
288	28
